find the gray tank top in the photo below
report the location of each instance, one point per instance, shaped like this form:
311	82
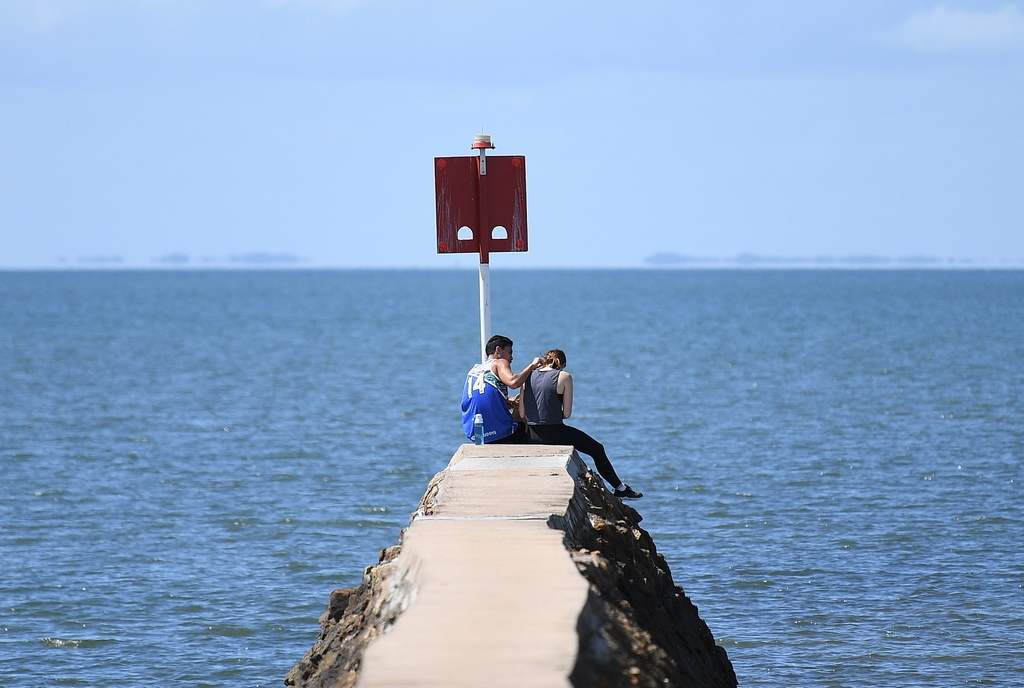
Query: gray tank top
541	397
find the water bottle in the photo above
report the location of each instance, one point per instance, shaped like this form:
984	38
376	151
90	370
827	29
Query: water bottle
478	429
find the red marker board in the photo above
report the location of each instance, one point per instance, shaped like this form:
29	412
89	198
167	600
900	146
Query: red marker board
490	209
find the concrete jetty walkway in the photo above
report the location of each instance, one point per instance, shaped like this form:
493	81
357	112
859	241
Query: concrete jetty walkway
493	595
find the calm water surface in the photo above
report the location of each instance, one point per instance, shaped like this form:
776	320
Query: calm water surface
191	461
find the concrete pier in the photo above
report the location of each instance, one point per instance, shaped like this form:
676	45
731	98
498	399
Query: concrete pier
497	597
518	568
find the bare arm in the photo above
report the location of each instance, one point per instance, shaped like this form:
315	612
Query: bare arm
520	408
504	372
564	387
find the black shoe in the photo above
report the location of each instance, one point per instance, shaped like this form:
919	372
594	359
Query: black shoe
628	493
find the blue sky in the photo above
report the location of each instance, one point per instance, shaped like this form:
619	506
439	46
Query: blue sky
148	133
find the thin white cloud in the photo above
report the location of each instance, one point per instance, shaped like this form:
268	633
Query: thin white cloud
335	5
36	16
41	16
947	29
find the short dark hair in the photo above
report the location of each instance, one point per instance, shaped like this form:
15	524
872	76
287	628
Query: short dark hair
494	342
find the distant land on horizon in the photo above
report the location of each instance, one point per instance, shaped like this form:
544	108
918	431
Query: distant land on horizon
183	259
863	260
258	259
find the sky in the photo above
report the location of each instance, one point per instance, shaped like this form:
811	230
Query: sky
301	133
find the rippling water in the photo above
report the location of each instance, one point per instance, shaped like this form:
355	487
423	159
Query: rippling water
191	461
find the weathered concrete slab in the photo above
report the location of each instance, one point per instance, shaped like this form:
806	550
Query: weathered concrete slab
519	568
495	596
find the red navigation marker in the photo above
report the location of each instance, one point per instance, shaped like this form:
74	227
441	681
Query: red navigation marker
481	208
481	203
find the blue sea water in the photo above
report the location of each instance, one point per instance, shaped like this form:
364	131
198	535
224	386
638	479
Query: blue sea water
191	461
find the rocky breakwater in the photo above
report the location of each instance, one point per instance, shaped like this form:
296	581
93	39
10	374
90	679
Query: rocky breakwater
518	569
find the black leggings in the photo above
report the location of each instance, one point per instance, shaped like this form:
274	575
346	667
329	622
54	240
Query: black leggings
518	436
584	443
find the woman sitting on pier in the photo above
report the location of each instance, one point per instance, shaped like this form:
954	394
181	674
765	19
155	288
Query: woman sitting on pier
546	401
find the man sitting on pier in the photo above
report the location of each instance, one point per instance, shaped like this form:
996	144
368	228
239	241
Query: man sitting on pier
486	393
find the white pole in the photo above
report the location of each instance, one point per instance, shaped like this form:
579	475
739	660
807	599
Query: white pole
485	308
480	144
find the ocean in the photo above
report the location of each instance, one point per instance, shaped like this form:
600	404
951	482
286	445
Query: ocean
190	461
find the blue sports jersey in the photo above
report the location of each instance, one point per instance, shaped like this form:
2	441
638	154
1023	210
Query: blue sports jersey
485	394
